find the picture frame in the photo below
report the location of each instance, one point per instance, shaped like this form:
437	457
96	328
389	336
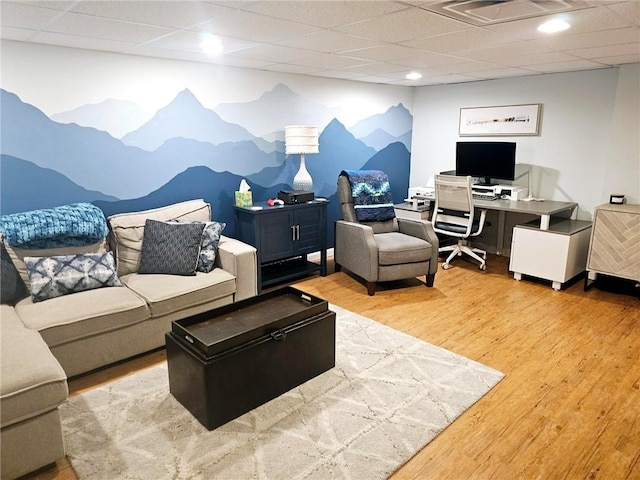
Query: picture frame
507	120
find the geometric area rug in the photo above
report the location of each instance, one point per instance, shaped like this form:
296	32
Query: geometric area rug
388	396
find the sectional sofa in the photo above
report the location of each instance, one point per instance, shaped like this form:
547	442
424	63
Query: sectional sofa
45	342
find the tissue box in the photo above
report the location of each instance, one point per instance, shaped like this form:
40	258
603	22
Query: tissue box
243	199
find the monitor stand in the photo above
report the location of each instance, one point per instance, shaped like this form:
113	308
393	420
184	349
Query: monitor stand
485	182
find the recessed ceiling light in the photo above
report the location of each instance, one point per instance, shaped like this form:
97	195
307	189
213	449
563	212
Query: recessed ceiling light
413	76
552	26
211	45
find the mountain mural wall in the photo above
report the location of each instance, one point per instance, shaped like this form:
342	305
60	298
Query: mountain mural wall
187	151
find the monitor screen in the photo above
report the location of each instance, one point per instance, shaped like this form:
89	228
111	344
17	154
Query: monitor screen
486	160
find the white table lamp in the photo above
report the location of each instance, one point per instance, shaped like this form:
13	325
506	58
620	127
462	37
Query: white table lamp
301	139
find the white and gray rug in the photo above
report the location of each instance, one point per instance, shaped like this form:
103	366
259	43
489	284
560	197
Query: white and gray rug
388	396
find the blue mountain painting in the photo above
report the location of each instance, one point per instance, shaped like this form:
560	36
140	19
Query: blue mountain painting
188	151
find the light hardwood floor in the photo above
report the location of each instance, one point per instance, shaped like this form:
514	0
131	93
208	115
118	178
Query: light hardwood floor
569	405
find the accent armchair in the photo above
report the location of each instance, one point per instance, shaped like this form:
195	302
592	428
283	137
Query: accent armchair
381	251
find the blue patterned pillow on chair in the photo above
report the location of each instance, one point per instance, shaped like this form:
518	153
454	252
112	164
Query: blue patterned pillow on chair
52	277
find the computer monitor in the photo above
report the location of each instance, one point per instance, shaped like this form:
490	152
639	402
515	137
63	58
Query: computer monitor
486	160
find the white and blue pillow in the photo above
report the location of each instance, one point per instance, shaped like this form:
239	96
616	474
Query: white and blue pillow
55	276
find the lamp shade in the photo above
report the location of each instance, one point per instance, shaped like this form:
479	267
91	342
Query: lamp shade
301	139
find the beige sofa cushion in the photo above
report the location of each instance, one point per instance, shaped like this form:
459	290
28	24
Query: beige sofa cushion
71	317
166	294
33	382
127	229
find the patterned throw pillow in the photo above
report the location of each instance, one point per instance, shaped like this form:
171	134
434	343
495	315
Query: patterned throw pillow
52	277
170	248
209	247
12	288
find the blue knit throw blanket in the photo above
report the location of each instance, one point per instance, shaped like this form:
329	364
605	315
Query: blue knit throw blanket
69	225
371	194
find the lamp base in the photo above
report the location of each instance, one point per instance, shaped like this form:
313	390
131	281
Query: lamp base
302	180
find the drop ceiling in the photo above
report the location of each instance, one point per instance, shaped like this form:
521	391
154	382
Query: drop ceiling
369	41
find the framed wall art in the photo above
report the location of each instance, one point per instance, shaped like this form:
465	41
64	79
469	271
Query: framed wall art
498	121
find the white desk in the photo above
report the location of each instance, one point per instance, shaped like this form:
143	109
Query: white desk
545	210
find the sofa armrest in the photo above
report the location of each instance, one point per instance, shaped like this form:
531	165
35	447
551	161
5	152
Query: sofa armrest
241	260
422	229
356	250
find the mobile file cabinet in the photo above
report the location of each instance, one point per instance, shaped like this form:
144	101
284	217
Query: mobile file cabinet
557	254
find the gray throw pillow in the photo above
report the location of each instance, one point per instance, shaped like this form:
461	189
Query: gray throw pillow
12	288
170	248
55	276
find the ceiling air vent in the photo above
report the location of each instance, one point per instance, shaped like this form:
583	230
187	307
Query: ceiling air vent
489	12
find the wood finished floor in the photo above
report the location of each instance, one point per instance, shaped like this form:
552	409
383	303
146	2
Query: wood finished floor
569	405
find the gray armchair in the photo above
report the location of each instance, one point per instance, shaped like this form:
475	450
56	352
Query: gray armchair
383	251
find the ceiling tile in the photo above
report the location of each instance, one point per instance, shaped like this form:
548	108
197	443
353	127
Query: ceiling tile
19	34
62	39
619	59
429	60
26	16
331	61
630	11
501	73
88	26
254	27
606	51
566	66
504	51
592	39
403	26
542	58
457	41
275	53
383	53
329	41
152	12
325	14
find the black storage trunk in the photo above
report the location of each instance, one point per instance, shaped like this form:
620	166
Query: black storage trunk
228	361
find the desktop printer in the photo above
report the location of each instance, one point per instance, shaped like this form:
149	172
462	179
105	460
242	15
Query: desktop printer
508	192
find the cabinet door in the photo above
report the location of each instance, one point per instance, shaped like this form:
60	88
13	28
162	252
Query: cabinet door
277	236
311	234
615	246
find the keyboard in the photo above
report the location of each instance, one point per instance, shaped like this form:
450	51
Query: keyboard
480	196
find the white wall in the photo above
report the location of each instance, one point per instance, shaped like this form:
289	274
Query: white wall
589	141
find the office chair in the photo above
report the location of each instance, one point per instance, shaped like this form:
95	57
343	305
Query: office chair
453	215
381	251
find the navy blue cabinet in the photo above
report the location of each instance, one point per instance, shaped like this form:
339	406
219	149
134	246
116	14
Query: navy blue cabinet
284	236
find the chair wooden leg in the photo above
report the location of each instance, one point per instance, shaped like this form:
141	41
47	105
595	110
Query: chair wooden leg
371	288
430	278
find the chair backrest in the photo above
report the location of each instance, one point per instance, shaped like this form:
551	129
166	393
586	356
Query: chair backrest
454	201
348	211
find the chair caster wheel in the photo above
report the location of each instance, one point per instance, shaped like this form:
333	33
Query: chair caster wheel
445	266
483	267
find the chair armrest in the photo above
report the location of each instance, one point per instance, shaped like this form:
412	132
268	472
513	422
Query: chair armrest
241	260
355	249
422	229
